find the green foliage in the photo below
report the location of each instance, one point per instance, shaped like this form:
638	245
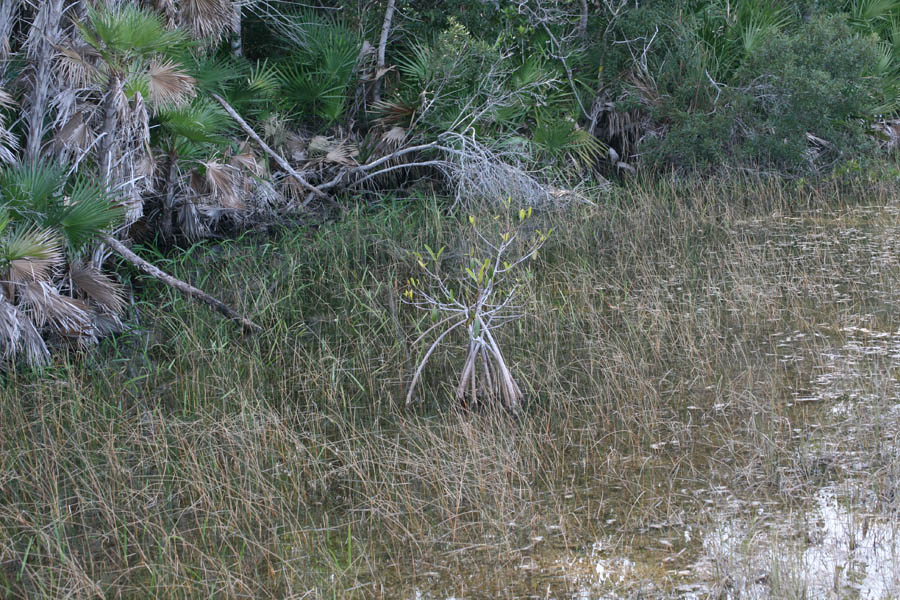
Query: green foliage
317	74
127	33
41	196
751	84
203	121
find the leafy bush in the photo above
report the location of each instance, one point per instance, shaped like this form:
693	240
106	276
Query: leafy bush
798	102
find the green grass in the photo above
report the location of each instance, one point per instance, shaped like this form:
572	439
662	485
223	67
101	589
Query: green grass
183	459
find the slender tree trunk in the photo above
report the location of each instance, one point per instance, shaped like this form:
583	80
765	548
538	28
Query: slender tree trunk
583	22
44	32
237	38
382	47
110	121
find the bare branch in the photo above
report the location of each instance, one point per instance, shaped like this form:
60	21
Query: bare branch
277	157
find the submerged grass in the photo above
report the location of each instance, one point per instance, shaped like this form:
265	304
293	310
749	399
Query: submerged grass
184	460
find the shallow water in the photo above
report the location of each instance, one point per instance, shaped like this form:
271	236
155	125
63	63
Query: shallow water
830	530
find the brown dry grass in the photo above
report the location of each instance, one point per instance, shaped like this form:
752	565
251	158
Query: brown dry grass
185	461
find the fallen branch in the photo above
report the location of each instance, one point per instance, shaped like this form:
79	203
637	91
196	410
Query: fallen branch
179	285
277	157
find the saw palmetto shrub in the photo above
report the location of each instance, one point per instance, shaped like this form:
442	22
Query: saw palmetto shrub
801	102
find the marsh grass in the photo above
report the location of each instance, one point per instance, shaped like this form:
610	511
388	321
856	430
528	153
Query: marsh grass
183	460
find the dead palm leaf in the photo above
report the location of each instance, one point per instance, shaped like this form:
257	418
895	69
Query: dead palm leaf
97	286
9	143
394	137
247	161
169	84
31	255
394	112
47	307
76	133
76	65
6	101
207	19
220	178
18	334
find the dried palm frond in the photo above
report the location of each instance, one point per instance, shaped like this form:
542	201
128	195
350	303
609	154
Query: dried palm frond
9	143
319	146
221	182
6	101
18	334
47	307
97	286
342	154
76	65
394	112
333	151
207	19
76	133
189	221
169	84
248	161
10	330
394	137
167	9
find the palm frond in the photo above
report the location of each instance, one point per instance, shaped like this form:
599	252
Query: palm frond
76	133
76	65
126	31
391	113
48	308
317	75
31	255
29	189
6	100
88	212
215	74
19	335
169	84
220	179
201	121
207	19
9	143
416	65
97	286
248	161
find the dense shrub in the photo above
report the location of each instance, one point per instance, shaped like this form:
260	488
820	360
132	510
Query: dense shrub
799	102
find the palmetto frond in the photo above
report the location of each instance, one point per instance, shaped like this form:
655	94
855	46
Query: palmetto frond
169	84
76	133
28	190
126	32
19	335
30	255
39	194
6	101
317	76
65	316
221	181
77	65
42	215
207	19
97	286
202	121
86	213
